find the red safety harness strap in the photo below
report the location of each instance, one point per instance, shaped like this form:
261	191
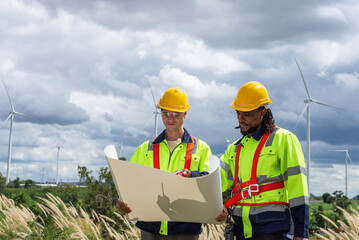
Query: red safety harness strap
188	158
253	187
253	179
187	164
156	156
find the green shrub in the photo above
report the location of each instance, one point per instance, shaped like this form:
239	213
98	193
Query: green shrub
2	183
23	199
29	183
316	220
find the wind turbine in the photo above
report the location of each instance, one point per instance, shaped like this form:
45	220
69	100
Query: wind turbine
57	168
228	141
307	108
157	108
11	117
347	156
120	149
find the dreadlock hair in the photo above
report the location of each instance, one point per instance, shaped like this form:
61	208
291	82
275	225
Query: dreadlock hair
268	122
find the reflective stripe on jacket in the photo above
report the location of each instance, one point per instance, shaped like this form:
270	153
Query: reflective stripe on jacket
171	162
281	159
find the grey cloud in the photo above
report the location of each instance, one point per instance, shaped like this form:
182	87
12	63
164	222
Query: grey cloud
45	102
103	52
239	24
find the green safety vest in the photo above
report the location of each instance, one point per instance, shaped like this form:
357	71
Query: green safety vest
171	162
280	160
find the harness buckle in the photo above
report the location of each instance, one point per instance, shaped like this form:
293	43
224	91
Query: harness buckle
244	192
238	187
253	188
247	193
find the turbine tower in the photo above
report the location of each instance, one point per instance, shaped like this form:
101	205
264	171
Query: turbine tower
120	150
347	156
11	117
57	168
157	108
307	108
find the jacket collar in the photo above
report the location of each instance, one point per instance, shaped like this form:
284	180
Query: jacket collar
257	136
185	139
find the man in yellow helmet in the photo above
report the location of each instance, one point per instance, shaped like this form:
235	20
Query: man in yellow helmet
266	171
175	151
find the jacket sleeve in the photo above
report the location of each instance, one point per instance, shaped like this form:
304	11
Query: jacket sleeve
227	168
204	151
204	156
295	180
140	153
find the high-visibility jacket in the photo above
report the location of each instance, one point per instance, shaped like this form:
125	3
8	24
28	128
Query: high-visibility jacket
171	162
280	160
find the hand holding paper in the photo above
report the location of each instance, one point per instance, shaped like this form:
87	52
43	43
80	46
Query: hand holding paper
156	195
123	207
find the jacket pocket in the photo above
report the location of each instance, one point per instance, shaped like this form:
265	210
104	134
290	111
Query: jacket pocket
194	162
268	163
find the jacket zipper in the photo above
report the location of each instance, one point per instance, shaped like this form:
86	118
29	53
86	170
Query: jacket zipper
169	160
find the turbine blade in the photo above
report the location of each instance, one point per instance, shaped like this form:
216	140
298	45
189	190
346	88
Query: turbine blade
153	97
305	84
346	154
351	143
301	115
317	102
8	95
149	120
5	120
23	115
350	159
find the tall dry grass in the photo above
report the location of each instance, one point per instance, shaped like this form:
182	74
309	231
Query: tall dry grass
19	222
343	231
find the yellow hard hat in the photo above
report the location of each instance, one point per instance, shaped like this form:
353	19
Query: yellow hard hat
174	99
250	96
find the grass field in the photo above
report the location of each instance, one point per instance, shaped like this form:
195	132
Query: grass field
57	220
328	206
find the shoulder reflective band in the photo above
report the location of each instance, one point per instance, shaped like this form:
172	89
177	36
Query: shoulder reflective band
188	159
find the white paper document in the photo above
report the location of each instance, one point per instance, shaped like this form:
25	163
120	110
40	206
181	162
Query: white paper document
155	195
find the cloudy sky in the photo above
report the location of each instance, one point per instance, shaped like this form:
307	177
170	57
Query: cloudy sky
81	70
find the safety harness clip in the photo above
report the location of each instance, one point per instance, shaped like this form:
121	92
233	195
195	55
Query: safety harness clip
247	193
253	188
238	187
